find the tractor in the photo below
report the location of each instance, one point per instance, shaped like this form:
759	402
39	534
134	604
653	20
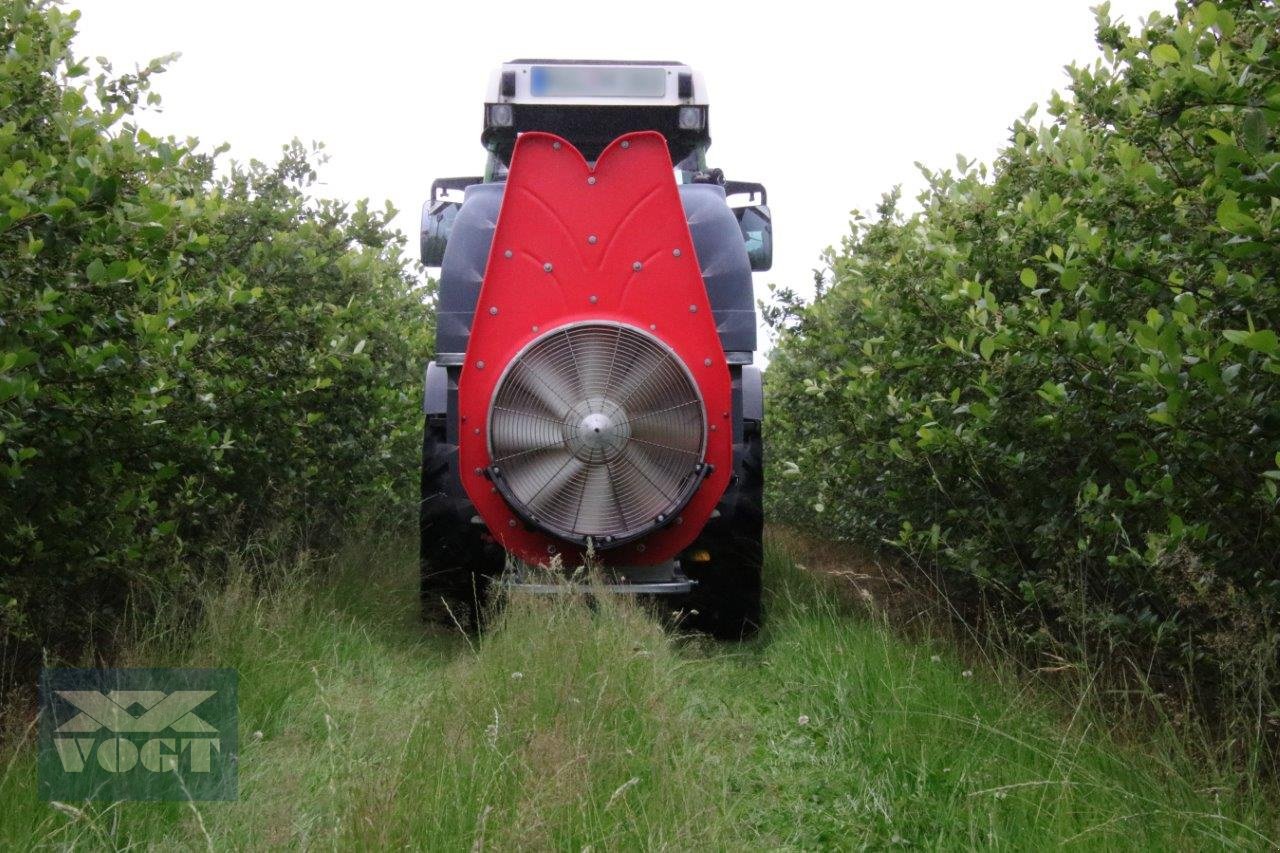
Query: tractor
593	395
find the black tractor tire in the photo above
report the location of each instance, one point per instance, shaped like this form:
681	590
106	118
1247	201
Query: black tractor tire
457	564
727	601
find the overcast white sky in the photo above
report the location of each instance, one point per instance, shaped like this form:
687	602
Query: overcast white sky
828	104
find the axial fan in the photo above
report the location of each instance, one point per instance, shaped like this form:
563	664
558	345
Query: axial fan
596	433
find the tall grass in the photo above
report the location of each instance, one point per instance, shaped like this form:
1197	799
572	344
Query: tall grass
582	723
566	728
860	738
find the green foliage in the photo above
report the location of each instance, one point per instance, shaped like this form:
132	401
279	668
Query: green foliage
1060	384
178	350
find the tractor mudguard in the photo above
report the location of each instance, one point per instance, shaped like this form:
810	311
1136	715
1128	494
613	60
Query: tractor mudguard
752	394
435	390
463	268
726	269
596	248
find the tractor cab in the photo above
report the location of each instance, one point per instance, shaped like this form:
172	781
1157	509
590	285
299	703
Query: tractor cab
590	103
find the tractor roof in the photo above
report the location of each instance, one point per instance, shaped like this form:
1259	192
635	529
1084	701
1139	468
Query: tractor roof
596	82
590	102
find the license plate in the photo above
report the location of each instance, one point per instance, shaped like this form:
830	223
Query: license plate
591	81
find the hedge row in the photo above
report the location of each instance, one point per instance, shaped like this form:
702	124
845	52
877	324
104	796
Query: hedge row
1059	382
181	353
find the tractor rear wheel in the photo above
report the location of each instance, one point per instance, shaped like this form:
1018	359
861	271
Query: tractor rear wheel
457	565
727	601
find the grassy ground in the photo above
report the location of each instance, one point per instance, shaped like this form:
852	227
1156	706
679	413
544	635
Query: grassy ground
575	727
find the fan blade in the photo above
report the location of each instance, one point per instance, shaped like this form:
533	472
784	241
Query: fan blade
551	492
659	477
678	429
514	433
545	390
594	359
599	514
635	377
528	473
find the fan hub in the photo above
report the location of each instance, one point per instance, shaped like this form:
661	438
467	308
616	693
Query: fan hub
596	430
596	433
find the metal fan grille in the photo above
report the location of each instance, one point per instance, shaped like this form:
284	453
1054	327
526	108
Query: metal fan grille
597	431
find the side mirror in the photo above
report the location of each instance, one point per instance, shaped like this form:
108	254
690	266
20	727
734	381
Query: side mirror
754	220
756	224
437	222
438	214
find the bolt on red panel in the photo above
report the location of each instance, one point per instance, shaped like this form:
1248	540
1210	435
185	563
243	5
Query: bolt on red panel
577	245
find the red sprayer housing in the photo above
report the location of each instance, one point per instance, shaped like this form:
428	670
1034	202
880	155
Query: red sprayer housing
545	273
